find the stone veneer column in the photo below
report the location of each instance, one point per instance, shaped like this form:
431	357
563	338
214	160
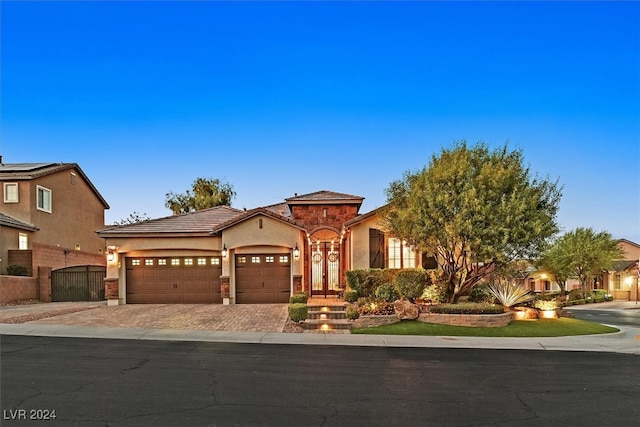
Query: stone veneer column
111	292
44	284
224	289
297	283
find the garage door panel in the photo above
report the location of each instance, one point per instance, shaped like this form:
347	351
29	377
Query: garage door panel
170	281
262	279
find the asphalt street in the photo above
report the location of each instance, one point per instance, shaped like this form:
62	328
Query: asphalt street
100	382
609	317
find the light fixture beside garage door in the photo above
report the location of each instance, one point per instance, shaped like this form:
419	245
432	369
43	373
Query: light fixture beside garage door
296	252
111	253
225	252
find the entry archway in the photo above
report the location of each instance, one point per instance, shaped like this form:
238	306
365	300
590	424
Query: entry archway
324	253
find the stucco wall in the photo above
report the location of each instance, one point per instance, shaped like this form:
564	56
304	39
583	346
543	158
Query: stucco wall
14	288
274	237
76	212
630	251
359	239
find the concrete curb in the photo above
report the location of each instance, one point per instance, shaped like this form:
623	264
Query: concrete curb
625	341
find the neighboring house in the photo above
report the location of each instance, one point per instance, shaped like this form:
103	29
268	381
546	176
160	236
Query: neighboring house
262	255
49	213
621	281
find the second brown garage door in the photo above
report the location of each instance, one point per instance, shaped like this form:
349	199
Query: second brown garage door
263	279
174	280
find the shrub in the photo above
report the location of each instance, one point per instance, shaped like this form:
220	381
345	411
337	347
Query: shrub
575	294
299	298
467	308
434	294
545	305
352	313
481	293
366	281
351	295
375	306
17	270
386	292
549	296
510	294
298	312
411	283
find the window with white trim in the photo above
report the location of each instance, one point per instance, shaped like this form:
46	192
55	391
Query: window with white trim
401	255
23	241
11	192
43	199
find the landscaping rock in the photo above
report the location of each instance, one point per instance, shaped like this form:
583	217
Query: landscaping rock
528	313
406	310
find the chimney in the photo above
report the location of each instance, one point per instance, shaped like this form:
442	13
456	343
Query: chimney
0	159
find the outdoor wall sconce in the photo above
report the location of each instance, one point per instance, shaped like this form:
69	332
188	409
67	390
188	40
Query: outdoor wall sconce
296	252
111	253
225	252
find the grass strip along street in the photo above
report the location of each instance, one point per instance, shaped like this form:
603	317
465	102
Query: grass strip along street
517	328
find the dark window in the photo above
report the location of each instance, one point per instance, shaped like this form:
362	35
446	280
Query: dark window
376	248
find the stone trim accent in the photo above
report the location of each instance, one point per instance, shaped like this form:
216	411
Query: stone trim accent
474	320
224	287
111	285
297	283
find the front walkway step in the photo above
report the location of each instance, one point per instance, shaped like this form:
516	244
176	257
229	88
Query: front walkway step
326	324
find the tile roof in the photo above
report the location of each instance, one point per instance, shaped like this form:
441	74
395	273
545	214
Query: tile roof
199	222
280	209
364	216
325	196
623	265
253	212
29	171
9	221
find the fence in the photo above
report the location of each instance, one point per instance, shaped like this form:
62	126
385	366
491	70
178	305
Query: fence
83	283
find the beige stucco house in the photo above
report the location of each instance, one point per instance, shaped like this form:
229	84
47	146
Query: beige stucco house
262	255
621	281
49	213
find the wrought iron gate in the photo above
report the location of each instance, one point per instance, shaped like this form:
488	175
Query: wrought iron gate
82	283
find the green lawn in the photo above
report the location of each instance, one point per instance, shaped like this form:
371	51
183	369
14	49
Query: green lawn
517	328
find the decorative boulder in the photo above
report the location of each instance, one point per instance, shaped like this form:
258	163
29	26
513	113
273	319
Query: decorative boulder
525	313
406	310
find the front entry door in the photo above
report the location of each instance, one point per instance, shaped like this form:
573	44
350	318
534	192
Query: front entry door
325	268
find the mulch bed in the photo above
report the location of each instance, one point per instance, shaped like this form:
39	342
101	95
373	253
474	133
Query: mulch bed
292	327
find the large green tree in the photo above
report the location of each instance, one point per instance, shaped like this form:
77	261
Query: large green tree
475	209
553	261
205	193
582	254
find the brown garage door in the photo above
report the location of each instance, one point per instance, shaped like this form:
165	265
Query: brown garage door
263	279
173	280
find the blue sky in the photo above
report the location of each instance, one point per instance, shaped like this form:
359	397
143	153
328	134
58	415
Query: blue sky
285	97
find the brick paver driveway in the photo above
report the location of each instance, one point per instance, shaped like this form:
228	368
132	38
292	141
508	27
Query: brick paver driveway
201	317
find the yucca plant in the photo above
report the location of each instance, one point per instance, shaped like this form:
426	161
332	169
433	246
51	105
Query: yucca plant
510	294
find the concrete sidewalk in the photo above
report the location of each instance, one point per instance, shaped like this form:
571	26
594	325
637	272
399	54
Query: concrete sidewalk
625	341
220	324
